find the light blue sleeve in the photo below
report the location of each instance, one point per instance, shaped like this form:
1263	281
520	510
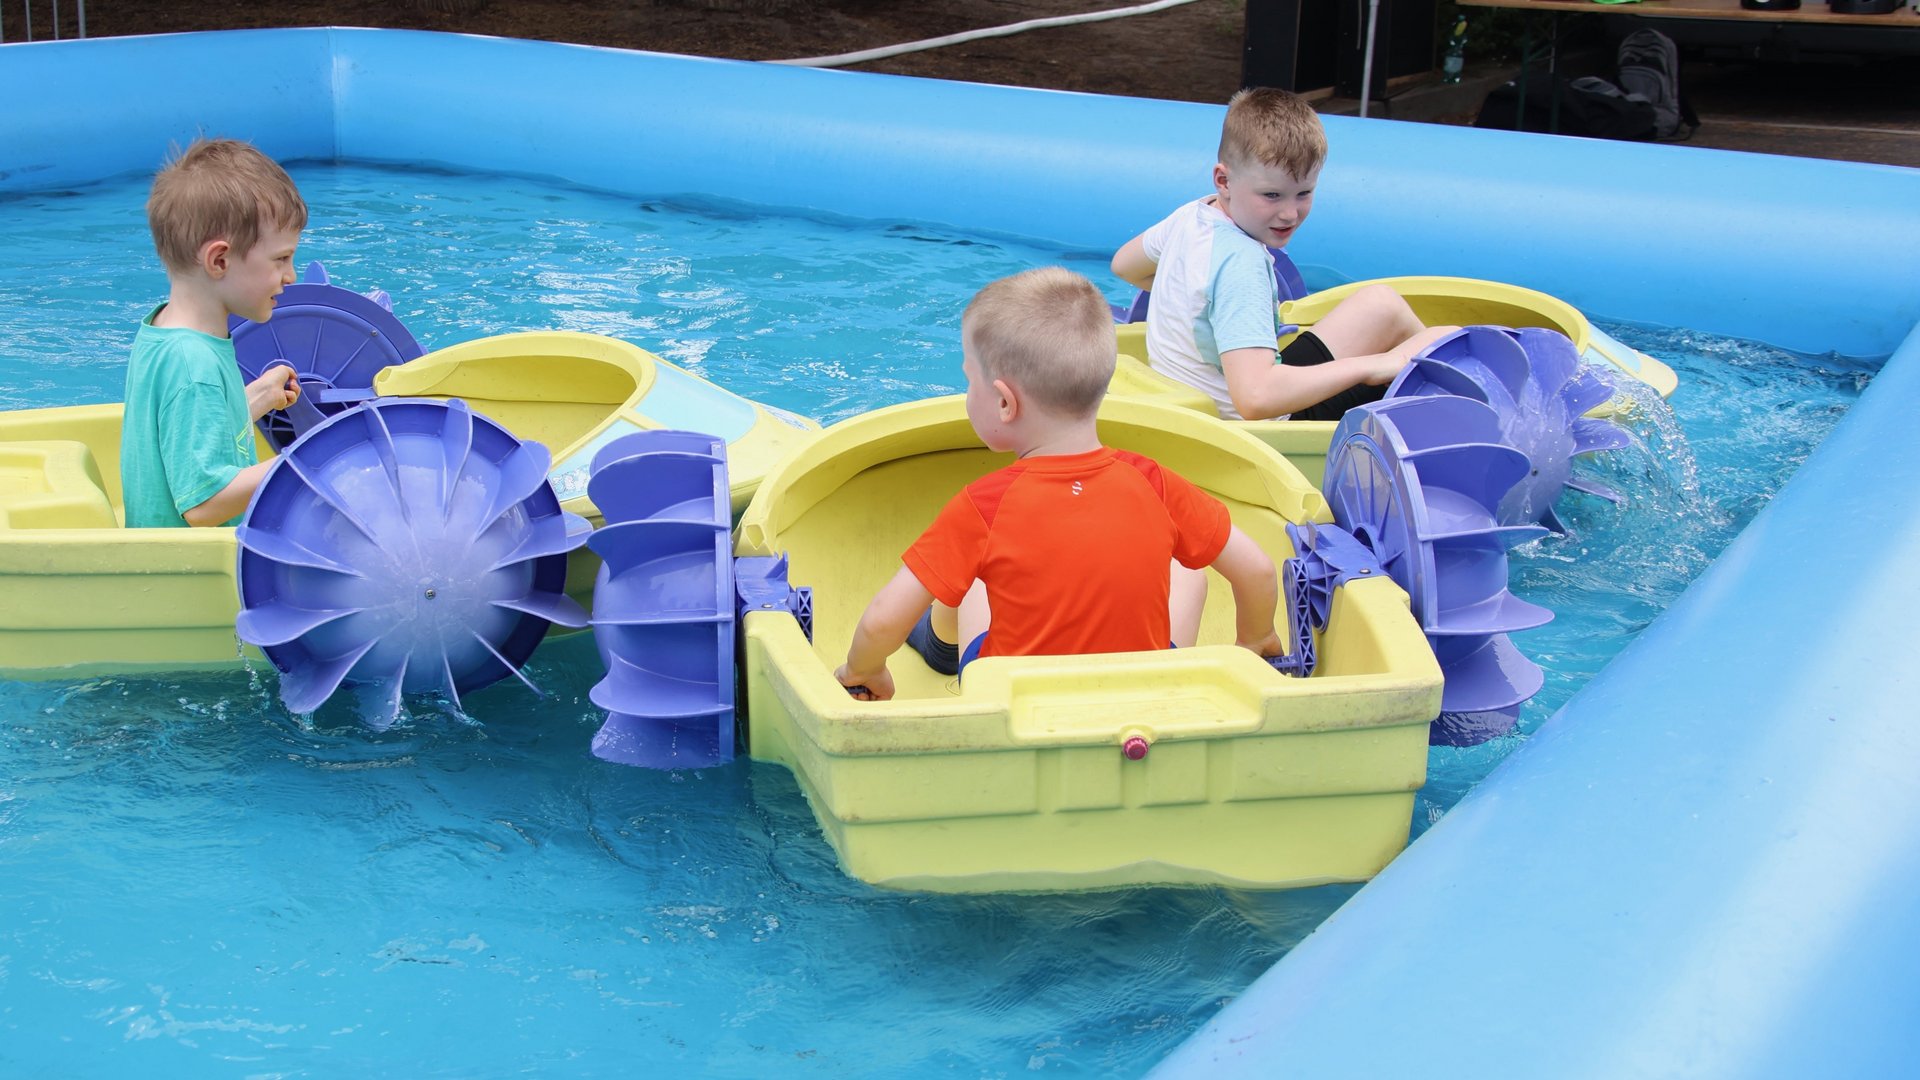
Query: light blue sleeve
1241	302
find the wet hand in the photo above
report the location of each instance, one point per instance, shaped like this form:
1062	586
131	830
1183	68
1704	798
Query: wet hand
869	686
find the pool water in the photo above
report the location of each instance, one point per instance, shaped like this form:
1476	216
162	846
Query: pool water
194	882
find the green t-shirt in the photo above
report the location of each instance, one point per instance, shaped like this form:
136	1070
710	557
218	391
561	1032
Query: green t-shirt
186	433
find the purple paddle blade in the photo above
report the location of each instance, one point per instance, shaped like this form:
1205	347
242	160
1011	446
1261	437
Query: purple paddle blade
1538	389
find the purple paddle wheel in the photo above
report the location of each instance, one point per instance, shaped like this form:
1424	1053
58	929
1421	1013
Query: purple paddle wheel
1466	456
664	602
407	546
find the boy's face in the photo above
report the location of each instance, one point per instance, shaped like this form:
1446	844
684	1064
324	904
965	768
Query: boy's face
1267	202
247	283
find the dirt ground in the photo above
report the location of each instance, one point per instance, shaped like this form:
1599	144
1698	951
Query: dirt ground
1849	108
1189	53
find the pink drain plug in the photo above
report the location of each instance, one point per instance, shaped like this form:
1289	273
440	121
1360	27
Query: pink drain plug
1135	747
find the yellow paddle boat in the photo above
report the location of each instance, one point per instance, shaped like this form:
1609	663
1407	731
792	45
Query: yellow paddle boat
81	594
1024	777
1439	301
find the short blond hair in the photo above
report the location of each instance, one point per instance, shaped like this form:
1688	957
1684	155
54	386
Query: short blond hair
1265	126
219	189
1048	332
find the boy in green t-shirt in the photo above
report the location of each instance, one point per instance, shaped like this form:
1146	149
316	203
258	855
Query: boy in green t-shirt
225	219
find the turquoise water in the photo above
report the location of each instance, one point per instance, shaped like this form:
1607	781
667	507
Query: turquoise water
195	883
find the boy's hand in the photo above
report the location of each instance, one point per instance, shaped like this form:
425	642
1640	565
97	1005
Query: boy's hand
1383	368
276	388
1402	354
873	686
883	627
1268	646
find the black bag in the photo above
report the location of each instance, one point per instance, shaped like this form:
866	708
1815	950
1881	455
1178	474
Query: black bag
1590	106
1650	70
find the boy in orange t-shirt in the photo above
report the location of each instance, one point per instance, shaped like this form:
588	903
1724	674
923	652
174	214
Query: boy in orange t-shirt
1067	550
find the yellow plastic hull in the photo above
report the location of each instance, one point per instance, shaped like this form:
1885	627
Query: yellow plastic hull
1439	301
1015	780
80	595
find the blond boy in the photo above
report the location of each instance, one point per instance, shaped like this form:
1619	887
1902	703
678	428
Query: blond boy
1213	324
225	220
1066	550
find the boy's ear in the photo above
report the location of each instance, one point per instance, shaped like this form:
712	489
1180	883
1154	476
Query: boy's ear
1009	401
214	256
1220	177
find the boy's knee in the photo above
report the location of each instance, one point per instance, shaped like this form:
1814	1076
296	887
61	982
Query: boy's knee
1382	301
1383	315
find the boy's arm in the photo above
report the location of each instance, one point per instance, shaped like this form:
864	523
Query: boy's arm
1262	389
1256	592
1132	265
229	501
884	627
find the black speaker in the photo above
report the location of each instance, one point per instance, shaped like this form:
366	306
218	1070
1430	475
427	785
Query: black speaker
1860	7
1771	5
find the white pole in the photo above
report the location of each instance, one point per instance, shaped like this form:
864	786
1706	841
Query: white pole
974	35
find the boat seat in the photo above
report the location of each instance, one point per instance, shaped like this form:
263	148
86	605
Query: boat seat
52	484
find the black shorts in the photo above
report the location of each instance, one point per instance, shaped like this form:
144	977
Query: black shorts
1307	350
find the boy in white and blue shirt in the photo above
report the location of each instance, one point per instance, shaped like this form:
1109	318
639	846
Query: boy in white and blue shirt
1213	321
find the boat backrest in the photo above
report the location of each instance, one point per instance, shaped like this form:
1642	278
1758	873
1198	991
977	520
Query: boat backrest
52	484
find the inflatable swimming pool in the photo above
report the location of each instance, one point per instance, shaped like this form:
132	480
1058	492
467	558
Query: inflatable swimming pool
1703	865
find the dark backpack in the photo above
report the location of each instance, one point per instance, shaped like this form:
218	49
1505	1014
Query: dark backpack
1650	70
1590	106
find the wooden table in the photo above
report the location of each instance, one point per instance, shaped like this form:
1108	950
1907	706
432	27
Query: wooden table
1903	22
1810	11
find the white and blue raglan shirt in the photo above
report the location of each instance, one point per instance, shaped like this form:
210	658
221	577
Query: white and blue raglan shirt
1213	292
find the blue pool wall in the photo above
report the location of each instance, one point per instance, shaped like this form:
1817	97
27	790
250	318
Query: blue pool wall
1809	255
1701	865
1704	864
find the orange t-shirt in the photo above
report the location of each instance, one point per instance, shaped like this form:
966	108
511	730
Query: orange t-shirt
1073	550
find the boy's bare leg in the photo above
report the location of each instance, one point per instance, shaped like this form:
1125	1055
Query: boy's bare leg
1373	320
1376	322
1186	599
